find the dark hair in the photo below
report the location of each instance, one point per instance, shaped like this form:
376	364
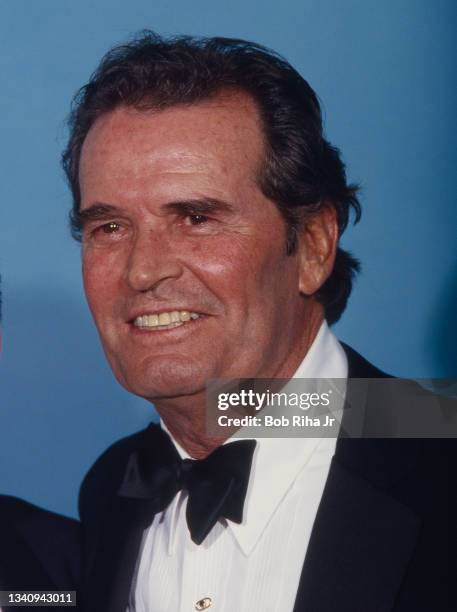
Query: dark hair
302	171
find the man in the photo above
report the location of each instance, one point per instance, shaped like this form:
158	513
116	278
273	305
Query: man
39	550
210	206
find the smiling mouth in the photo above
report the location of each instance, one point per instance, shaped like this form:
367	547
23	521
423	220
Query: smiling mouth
165	320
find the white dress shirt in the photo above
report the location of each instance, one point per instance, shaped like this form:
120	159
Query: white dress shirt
255	565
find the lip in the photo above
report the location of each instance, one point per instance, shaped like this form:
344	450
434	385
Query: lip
187	327
146	312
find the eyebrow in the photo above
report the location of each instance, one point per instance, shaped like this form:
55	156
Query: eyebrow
199	206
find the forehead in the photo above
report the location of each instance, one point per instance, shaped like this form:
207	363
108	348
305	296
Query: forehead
218	142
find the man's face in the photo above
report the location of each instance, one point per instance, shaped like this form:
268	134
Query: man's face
184	260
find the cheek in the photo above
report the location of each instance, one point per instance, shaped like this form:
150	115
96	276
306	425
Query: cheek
223	263
240	269
99	280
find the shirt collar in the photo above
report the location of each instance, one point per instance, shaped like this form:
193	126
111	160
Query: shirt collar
277	462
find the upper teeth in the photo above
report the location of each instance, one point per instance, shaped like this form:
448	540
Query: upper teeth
165	318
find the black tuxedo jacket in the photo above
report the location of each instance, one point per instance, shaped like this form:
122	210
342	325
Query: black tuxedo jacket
384	538
39	550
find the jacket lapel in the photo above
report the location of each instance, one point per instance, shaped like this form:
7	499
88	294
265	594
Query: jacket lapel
363	537
109	580
361	543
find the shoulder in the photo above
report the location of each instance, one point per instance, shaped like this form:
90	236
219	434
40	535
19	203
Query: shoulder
45	542
398	417
23	515
359	367
37	524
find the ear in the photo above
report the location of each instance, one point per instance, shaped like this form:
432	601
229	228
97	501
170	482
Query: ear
317	244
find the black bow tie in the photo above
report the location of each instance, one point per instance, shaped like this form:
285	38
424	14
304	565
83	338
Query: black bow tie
217	485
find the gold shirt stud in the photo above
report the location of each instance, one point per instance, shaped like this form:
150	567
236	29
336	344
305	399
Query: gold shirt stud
203	604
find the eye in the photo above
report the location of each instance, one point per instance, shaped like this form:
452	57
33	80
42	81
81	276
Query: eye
110	228
104	232
197	219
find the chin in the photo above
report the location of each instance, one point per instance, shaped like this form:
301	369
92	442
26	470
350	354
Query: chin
164	379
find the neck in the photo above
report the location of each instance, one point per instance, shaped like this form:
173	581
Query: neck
185	417
188	427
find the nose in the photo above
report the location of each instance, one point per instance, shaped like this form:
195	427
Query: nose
151	262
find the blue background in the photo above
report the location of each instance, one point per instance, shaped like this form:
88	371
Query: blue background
386	75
